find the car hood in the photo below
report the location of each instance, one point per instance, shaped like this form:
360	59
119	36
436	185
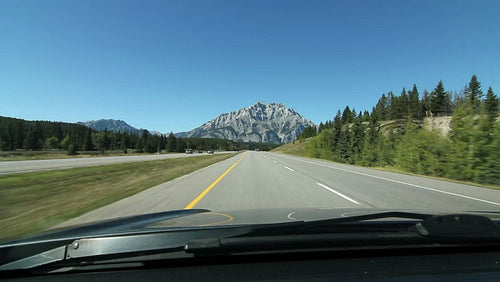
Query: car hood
202	218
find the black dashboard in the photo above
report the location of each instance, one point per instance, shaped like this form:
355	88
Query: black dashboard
431	264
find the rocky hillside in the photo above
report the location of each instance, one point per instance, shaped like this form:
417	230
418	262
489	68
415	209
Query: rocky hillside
110	125
260	122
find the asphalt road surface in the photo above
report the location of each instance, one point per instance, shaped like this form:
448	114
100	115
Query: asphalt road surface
261	180
7	167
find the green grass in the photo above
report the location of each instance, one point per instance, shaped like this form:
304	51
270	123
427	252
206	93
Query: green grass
32	202
58	154
297	149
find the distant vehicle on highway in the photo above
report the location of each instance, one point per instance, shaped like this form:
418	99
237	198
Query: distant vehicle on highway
210	152
189	151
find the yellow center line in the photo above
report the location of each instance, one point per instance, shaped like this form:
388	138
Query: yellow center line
197	199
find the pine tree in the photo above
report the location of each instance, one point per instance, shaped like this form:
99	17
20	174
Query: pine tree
438	100
389	106
171	143
491	105
426	102
414	108
400	105
473	93
337	128
87	145
366	116
347	115
380	110
491	169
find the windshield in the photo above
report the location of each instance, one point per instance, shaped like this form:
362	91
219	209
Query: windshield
255	111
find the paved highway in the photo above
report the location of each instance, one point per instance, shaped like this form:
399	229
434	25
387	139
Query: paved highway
7	167
259	180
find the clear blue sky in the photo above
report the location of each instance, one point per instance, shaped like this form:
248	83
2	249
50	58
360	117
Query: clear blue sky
173	65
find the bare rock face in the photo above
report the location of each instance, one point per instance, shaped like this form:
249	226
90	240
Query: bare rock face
261	122
110	125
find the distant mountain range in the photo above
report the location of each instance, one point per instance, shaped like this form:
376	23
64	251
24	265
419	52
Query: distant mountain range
261	122
111	125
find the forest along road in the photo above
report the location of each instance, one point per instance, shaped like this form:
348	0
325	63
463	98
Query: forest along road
263	180
7	167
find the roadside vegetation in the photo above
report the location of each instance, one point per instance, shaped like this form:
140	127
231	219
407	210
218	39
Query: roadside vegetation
22	155
32	202
469	152
296	148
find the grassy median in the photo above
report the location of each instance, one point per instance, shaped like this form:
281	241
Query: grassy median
34	201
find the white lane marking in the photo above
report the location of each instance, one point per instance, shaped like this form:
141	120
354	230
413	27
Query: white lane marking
410	184
290	216
340	194
288	168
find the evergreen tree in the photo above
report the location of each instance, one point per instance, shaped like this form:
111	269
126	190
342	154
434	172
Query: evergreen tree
380	110
87	145
29	140
473	93
354	115
357	139
400	105
414	107
337	128
491	105
181	145
426	102
491	167
139	147
438	100
343	149
462	155
346	115
125	142
171	143
366	116
389	106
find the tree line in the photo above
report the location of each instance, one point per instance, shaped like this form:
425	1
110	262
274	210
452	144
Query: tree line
19	134
471	152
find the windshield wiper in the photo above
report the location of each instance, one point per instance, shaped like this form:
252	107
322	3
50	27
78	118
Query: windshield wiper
463	227
355	231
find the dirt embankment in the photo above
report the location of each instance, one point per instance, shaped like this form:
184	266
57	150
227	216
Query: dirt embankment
442	124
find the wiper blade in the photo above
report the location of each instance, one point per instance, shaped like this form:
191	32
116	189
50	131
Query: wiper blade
432	229
321	225
109	247
41	252
463	227
40	249
354	231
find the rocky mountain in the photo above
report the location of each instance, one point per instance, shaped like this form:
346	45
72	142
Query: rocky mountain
110	124
261	122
